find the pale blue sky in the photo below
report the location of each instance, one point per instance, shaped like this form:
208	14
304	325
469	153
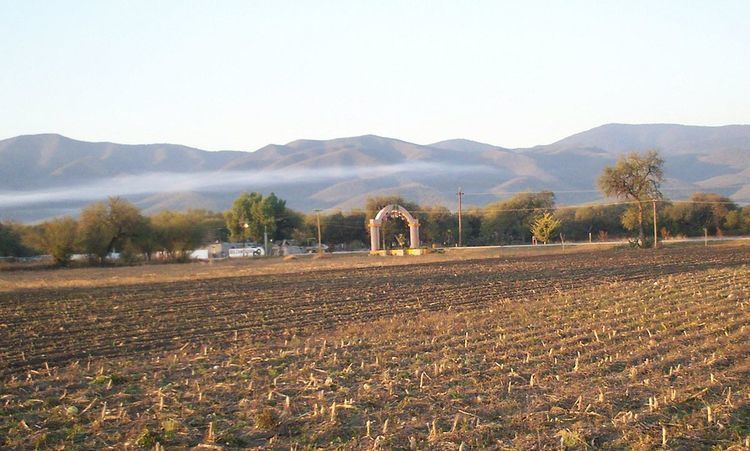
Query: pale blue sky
241	74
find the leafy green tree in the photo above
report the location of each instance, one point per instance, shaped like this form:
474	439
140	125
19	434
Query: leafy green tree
578	223
509	221
265	217
704	210
307	231
544	227
145	238
636	177
94	233
11	242
440	226
339	228
252	214
472	227
106	226
738	221
733	220
57	238
178	232
285	219
336	228
242	214
211	223
632	220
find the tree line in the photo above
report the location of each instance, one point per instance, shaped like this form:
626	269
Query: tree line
116	225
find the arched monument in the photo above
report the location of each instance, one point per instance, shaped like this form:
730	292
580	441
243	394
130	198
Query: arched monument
390	211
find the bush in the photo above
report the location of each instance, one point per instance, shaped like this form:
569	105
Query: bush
57	238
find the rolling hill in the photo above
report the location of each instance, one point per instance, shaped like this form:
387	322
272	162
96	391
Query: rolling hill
48	175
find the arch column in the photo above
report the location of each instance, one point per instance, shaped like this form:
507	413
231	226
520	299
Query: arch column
375	234
414	234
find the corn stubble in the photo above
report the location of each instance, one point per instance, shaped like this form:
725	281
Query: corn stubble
654	359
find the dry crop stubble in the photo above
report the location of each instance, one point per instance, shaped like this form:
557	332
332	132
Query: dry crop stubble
599	350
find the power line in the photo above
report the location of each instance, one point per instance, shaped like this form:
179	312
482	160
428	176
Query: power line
699	202
575	191
326	220
589	205
562	207
320	243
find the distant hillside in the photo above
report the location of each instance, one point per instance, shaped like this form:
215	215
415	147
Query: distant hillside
48	175
694	155
40	161
671	139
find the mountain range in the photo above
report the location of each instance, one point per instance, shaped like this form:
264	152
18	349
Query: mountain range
47	175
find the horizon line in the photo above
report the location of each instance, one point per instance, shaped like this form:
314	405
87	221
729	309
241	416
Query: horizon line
365	135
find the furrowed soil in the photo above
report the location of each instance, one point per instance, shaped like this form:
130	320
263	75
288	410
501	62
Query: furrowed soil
605	349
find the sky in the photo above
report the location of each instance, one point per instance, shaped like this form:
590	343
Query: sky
242	74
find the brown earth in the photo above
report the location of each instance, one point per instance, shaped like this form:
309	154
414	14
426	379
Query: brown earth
613	348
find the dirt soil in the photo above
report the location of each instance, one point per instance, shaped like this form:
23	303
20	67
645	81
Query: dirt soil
171	272
589	349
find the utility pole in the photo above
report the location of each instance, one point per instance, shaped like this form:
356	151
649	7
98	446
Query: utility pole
244	235
320	244
656	238
460	194
265	239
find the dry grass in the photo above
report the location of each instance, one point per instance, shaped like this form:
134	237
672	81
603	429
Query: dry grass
594	350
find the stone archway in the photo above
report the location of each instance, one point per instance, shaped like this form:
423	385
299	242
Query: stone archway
389	211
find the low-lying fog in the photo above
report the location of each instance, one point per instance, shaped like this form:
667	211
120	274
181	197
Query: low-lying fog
162	182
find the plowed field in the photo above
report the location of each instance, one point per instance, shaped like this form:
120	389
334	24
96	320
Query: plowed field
613	348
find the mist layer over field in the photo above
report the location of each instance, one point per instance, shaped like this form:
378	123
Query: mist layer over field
160	182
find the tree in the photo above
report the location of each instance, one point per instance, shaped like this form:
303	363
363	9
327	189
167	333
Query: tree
596	220
632	220
544	227
440	226
509	221
95	237
240	214
211	223
11	243
252	215
285	219
105	226
337	228
58	238
636	177
145	238
178	232
738	221
472	226
704	210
